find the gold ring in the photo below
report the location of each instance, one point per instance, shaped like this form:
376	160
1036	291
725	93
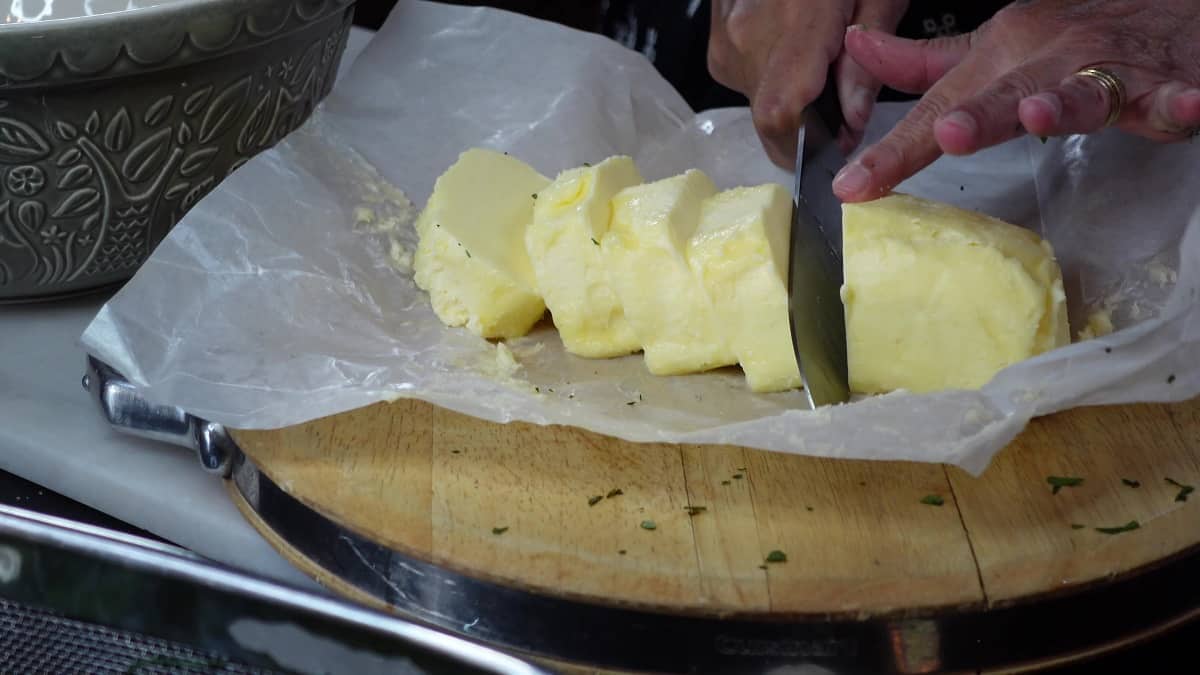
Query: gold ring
1113	86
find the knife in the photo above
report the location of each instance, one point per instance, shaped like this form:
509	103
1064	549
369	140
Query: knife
815	266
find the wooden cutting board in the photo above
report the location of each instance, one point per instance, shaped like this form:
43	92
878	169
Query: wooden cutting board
517	505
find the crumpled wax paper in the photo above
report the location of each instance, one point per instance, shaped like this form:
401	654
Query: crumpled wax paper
286	294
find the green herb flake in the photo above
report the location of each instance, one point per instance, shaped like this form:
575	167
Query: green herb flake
649	525
776	556
537	390
726	482
741	468
631	403
622	552
737	476
614	493
595	242
592	501
1127	527
1059	482
933	500
1129	482
1171	379
1077	526
499	530
762	567
809	509
535	195
437	224
1184	490
694	510
455	452
586	164
468	253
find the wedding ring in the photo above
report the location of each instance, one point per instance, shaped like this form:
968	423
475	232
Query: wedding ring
1113	87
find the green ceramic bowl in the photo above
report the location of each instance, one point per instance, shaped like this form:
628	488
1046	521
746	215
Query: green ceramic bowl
117	116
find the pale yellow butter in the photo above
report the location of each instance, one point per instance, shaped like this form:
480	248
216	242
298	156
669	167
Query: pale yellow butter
570	218
740	254
471	253
646	254
937	297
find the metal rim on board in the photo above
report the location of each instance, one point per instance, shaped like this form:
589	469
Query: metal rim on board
1034	632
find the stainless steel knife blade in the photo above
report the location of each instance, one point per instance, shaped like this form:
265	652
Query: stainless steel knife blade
815	266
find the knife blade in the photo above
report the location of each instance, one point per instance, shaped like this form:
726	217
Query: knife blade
815	265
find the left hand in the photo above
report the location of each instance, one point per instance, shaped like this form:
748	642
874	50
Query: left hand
1017	74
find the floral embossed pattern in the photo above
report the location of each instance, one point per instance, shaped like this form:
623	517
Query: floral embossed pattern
87	191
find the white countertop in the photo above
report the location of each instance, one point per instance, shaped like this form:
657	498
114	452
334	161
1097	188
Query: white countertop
51	433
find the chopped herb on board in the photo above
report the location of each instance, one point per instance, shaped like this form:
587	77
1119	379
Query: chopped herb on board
726	482
737	476
499	530
762	567
592	501
1077	526
1184	490
1129	482
622	552
1127	527
741	468
933	500
649	525
776	556
693	510
1059	482
614	492
631	403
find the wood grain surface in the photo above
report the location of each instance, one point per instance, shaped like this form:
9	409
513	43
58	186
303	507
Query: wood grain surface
513	504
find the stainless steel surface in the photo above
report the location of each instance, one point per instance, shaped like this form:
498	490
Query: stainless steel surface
112	126
180	606
815	266
128	411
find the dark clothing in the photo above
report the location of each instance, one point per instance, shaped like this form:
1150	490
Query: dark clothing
674	33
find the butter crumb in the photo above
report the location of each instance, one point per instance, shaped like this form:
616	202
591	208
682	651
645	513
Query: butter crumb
1162	275
1099	324
506	363
400	257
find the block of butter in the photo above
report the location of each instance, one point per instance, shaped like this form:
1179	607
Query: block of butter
646	253
740	254
937	297
570	217
471	250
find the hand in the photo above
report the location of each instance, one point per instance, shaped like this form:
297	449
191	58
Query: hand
1017	74
778	53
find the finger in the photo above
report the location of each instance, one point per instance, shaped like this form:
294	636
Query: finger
858	89
1173	112
911	66
908	148
794	76
991	116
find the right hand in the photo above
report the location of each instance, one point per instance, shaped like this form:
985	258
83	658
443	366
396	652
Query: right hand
778	53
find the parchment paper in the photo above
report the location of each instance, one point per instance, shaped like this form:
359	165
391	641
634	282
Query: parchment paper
286	295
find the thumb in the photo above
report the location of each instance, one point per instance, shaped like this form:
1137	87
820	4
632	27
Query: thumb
910	66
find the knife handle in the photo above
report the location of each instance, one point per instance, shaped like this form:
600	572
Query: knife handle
127	411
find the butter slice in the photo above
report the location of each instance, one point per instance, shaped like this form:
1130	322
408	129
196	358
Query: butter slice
740	254
937	297
570	218
646	252
471	252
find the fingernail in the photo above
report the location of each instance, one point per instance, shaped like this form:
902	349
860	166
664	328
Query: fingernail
852	179
856	26
861	100
961	120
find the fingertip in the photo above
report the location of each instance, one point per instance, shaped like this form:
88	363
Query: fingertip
1185	108
852	182
957	133
1041	113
